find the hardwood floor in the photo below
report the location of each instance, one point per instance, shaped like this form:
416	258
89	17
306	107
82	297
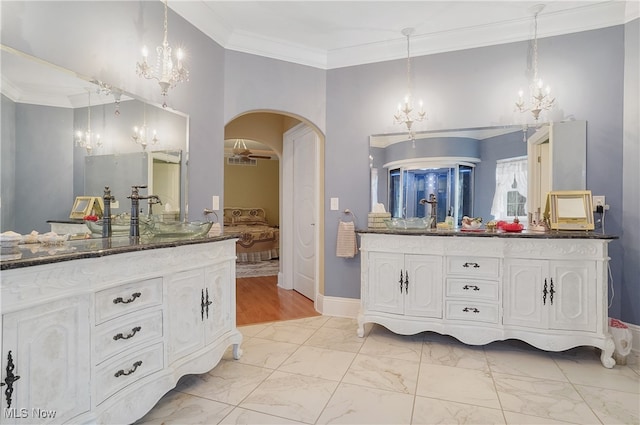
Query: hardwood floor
259	300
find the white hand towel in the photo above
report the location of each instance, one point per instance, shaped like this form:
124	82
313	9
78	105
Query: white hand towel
347	246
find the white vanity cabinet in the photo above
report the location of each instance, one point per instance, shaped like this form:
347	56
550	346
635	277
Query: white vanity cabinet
199	308
100	340
41	346
548	291
405	284
550	294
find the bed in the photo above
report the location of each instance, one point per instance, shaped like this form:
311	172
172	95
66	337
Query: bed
258	241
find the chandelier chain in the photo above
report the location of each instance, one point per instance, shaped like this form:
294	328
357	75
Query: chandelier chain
405	113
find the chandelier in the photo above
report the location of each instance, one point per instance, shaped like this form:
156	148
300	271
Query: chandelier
540	96
83	138
166	72
404	114
141	134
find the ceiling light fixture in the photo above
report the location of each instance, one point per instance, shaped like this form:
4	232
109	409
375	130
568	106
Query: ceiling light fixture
141	135
540	98
165	72
404	113
83	138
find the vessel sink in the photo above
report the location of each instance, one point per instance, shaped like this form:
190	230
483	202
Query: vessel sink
120	226
408	223
181	229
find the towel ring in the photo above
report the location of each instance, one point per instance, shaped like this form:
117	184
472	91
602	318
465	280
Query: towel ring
207	212
347	213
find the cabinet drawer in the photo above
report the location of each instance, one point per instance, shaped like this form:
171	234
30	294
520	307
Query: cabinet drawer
117	373
473	266
123	299
472	289
471	311
132	330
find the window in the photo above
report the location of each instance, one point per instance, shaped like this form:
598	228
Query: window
510	198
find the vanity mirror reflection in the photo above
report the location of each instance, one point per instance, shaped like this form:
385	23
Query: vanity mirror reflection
44	169
458	166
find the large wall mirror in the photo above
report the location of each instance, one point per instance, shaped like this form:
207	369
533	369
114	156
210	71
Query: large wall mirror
461	168
46	162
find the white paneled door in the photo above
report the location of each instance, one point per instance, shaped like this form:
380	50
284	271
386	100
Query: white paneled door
304	210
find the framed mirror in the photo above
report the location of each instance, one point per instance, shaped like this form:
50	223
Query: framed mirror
481	149
43	107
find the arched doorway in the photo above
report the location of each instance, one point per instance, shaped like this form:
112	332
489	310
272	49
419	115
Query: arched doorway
279	132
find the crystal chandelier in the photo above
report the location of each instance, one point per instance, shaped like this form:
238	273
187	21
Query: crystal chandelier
166	72
141	134
540	96
83	139
404	114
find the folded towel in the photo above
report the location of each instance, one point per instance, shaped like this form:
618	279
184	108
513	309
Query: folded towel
347	246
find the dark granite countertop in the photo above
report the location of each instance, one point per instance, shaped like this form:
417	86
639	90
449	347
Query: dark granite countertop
26	255
554	234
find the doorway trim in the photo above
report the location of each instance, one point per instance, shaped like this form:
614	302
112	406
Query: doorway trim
285	276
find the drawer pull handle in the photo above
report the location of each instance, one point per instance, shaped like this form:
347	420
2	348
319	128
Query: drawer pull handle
467	287
119	300
474	265
133	332
401	280
121	372
468	309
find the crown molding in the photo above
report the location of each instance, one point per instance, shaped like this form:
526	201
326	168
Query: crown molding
589	17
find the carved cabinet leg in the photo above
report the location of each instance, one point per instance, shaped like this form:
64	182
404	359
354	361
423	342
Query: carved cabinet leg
606	356
237	351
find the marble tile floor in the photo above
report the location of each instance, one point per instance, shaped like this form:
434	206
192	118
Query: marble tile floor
317	371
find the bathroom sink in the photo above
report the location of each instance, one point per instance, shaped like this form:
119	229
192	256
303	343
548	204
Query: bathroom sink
181	229
408	223
120	226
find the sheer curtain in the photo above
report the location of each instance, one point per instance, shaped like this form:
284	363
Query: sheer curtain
511	174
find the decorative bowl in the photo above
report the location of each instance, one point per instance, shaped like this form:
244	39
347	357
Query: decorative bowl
10	239
512	227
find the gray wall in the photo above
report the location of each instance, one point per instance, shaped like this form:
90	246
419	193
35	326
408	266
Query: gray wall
469	88
7	164
42	177
629	292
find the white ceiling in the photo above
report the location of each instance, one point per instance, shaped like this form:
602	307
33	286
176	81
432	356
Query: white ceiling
334	34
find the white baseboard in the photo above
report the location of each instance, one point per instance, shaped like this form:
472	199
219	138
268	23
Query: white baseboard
338	307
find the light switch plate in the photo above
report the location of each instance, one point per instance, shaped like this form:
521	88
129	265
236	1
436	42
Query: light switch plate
115	204
215	202
334	204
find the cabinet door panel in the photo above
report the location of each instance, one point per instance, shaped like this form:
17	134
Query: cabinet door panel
423	294
50	346
184	315
523	293
384	286
574	301
218	320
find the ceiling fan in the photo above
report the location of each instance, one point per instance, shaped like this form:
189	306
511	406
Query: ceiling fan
241	151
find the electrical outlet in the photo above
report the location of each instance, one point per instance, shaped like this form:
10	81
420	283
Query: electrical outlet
599	201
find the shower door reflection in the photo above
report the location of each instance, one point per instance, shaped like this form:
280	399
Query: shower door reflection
452	187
